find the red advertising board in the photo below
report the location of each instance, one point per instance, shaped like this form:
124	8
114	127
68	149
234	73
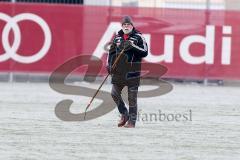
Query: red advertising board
190	43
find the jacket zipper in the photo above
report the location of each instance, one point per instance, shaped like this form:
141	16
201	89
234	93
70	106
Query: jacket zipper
132	60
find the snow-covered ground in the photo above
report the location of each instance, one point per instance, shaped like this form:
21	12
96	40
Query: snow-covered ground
30	130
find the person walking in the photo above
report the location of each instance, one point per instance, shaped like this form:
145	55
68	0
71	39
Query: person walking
132	47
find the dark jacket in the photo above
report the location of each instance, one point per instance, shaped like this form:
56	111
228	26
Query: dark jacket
128	68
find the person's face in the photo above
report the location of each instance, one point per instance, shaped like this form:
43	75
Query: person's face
127	28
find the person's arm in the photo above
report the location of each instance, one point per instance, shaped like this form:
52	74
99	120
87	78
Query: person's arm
111	53
141	48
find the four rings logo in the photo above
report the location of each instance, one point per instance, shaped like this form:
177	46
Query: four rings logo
11	50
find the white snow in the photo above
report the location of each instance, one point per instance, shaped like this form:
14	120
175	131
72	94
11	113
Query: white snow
29	129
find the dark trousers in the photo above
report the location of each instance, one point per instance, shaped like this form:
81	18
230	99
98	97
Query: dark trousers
132	99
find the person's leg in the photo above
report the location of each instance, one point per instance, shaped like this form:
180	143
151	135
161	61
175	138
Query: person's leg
132	98
116	95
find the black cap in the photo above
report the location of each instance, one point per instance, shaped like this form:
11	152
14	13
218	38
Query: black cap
127	19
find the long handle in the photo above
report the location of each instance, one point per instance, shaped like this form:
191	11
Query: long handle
113	67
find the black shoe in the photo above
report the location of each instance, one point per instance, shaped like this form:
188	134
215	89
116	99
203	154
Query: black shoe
123	120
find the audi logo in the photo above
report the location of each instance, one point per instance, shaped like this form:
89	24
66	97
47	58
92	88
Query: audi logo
11	50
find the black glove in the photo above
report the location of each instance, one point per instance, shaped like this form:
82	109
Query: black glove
121	46
112	48
127	45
